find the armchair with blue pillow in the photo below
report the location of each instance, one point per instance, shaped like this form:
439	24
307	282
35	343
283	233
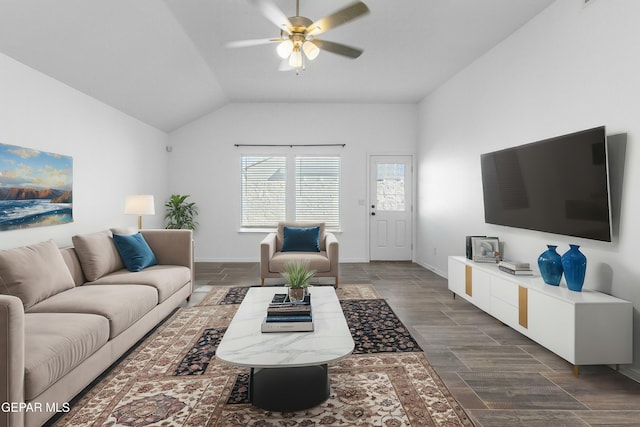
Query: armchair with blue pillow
299	240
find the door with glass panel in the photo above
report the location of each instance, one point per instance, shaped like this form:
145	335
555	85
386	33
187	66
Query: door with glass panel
391	208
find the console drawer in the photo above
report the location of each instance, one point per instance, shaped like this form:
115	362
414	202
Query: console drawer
504	290
506	313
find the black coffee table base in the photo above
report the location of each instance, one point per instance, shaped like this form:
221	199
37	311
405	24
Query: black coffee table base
289	389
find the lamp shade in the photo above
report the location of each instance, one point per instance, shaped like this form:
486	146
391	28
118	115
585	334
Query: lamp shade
140	204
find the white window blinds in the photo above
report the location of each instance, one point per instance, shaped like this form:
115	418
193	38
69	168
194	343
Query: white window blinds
264	190
270	194
317	190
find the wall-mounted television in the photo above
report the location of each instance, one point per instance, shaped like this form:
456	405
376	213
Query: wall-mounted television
558	185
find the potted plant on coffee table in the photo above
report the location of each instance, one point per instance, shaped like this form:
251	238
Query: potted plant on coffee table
297	274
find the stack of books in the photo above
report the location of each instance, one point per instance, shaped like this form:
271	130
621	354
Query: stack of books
286	316
516	268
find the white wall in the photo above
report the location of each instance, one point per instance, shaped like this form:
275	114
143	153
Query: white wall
113	154
570	68
205	164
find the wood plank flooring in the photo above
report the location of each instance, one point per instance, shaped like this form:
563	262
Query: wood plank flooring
499	376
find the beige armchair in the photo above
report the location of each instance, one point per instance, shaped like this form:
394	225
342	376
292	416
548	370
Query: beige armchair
273	260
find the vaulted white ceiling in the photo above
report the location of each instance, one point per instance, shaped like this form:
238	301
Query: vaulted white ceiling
164	62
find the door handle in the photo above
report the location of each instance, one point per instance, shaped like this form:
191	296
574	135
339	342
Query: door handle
373	214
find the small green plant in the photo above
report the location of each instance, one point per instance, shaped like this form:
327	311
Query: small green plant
297	274
180	213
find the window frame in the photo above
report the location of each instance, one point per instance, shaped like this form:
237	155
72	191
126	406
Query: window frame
291	184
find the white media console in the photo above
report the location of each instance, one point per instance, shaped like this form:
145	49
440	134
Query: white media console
584	328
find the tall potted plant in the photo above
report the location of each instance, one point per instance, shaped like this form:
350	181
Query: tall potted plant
180	213
297	275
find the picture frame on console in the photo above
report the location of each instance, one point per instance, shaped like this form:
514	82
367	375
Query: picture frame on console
485	249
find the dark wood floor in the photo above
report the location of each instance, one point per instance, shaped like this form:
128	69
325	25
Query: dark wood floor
499	376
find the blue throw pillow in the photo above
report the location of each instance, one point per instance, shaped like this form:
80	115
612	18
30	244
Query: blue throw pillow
301	239
134	251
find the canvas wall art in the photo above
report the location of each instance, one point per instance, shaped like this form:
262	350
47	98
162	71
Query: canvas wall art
36	188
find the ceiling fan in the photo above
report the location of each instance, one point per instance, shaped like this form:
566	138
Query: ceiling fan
297	41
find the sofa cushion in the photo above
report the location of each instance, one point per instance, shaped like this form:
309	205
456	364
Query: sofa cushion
134	251
124	230
73	264
34	273
166	279
301	239
97	253
55	343
122	305
318	261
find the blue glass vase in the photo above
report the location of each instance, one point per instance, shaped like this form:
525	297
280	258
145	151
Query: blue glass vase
574	264
550	265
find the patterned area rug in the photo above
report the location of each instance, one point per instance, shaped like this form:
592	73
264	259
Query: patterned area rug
174	379
223	295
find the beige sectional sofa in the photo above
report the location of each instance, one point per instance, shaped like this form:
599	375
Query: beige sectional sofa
67	314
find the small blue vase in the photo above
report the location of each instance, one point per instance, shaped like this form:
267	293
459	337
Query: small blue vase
550	265
574	264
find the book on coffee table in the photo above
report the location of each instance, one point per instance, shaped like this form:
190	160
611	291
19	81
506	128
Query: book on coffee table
286	316
289	318
283	299
286	326
289	310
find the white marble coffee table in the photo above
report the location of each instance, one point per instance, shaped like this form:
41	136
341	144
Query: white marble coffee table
288	369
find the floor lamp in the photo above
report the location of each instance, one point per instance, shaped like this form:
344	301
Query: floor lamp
140	204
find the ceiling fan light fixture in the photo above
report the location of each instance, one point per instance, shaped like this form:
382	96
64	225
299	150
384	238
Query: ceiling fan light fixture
295	60
310	50
284	49
297	43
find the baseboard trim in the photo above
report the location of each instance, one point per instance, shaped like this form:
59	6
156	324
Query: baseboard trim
630	372
432	268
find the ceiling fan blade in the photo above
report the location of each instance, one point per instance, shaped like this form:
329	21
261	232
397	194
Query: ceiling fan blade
249	43
338	48
273	14
338	18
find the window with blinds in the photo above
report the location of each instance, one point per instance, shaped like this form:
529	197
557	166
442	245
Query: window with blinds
317	190
270	194
264	191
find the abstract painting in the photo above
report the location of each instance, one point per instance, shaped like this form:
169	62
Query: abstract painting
36	188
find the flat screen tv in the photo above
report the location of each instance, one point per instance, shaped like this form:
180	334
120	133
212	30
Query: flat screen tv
558	185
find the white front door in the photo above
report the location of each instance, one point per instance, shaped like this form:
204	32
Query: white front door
391	208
